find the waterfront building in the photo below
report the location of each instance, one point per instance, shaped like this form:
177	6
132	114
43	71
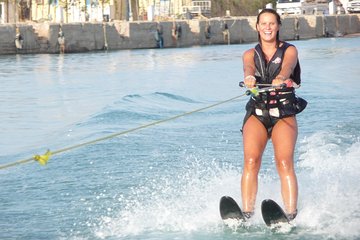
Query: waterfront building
67	11
173	9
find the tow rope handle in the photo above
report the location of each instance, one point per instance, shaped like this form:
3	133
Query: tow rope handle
256	90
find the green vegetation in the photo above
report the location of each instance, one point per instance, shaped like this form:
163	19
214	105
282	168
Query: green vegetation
238	7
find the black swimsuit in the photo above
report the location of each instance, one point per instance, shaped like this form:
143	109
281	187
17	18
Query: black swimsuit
269	107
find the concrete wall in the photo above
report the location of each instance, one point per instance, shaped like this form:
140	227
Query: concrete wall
83	37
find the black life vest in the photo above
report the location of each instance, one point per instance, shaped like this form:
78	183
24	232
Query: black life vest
266	72
279	103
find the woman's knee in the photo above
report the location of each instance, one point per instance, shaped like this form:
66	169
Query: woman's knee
285	165
252	163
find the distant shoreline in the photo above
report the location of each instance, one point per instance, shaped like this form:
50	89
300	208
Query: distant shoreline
27	38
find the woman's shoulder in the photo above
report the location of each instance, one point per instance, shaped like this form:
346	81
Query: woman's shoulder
250	51
288	48
287	45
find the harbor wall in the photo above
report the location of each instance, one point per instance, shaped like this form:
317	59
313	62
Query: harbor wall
84	37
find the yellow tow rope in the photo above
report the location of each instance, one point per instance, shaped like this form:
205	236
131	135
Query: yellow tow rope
43	159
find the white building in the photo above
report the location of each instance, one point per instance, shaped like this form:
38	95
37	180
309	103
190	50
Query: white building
67	11
163	9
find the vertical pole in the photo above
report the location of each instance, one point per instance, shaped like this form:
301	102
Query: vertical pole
121	10
169	13
130	11
30	11
137	9
15	11
85	11
7	11
66	12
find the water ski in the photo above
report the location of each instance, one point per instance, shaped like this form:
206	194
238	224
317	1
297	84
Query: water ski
272	213
229	209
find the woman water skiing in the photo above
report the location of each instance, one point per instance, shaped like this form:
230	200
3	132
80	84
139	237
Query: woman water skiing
271	114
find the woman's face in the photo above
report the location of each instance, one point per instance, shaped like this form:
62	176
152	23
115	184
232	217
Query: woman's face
267	27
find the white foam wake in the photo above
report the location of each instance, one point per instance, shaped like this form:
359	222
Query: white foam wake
188	200
183	202
329	188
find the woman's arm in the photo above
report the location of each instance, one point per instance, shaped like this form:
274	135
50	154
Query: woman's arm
249	68
287	67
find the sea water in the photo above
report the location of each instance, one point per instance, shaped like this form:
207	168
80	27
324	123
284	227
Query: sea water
165	181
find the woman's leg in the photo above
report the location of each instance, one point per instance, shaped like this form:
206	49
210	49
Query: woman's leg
284	137
255	137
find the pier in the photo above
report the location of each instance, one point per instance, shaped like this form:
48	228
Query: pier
84	37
